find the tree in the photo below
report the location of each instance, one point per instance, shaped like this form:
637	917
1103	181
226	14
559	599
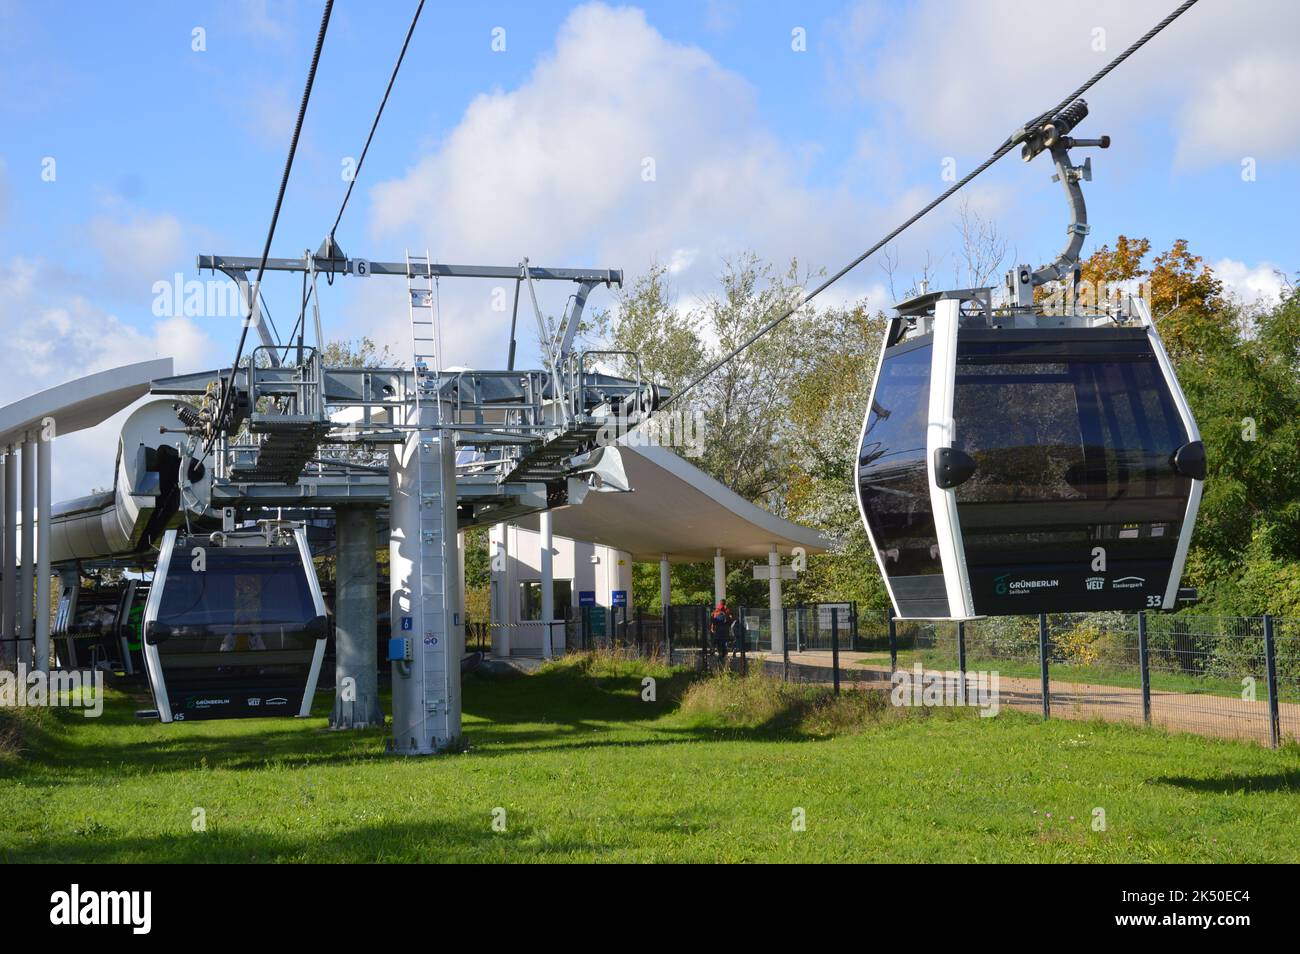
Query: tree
782	417
983	248
648	322
739	403
826	402
362	353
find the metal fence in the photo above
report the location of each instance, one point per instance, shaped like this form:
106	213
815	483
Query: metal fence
683	635
1225	676
1231	677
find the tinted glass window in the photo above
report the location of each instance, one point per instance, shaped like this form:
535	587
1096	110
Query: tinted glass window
1067	426
247	599
96	612
893	484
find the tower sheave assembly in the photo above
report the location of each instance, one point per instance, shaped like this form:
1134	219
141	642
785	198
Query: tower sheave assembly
1029	457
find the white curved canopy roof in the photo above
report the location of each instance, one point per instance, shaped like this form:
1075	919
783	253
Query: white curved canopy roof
675	508
82	402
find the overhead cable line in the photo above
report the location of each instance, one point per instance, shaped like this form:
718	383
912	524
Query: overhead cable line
1002	150
375	125
275	217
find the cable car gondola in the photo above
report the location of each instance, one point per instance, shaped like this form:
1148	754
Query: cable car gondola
86	622
235	625
1015	461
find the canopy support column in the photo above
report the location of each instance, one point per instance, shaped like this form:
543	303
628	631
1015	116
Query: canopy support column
665	585
776	616
548	582
501	618
460	622
27	576
42	611
8	632
719	576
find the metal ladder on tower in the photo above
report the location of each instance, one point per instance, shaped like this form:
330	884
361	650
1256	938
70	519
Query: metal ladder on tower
422	293
436	552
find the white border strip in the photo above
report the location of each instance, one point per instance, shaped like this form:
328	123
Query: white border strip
1193	434
304	552
939	433
152	664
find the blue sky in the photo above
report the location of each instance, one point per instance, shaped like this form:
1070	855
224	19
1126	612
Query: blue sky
162	151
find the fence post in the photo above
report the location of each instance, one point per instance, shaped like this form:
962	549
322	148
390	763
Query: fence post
640	631
1270	665
853	625
668	633
961	653
785	645
798	627
1042	664
701	623
1144	663
893	643
835	648
743	635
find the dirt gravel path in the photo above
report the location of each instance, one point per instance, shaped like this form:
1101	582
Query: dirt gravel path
1200	713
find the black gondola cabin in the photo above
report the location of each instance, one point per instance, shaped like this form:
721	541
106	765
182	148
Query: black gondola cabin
235	626
1017	464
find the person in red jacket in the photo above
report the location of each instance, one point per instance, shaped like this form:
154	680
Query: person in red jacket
720	624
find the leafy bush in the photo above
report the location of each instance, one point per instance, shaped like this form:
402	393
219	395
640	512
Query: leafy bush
1095	639
1003	637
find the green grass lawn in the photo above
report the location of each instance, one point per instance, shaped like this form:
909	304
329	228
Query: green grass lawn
586	771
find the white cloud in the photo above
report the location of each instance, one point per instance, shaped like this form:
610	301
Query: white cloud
1247	107
52	337
621	149
137	245
1262	283
962	76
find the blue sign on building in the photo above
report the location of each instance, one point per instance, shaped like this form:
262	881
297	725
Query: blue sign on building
620	598
586	597
406	623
